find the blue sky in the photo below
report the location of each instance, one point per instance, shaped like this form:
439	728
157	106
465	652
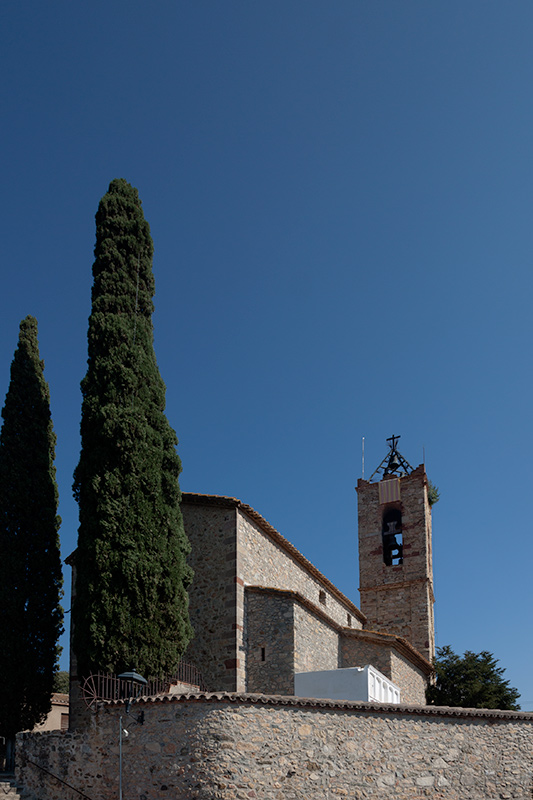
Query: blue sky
340	196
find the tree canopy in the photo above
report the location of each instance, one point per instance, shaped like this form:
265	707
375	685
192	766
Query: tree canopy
471	681
61	682
30	564
131	606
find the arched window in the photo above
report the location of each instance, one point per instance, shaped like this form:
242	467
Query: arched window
391	532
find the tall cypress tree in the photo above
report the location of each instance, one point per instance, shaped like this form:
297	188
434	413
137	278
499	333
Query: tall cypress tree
131	604
30	564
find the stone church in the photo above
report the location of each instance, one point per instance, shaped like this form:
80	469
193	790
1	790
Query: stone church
265	617
262	613
305	694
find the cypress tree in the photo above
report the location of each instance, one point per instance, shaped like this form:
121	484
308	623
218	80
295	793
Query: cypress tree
30	564
131	604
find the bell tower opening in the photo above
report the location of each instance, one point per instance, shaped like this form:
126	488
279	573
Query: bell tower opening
392	537
395	561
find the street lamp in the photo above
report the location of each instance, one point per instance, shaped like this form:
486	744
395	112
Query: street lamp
133	679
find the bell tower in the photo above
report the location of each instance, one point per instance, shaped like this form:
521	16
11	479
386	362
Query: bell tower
395	563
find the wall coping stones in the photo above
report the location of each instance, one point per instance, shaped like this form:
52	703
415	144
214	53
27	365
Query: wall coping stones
232	502
242	698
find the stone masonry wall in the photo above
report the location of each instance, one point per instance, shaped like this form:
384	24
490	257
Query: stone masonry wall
212	595
269	636
355	653
283	637
233	747
316	644
398	598
231	550
411	680
263	562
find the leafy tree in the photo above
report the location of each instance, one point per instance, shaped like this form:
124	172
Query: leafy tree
61	682
131	604
473	681
30	564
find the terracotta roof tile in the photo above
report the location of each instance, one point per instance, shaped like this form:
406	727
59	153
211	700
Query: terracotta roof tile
303	702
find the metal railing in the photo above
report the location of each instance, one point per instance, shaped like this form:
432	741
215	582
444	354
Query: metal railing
57	778
102	686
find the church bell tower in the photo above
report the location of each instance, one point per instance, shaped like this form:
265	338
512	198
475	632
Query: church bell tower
395	563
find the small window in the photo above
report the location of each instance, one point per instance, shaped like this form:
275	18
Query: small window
64	722
263	654
322	597
349	620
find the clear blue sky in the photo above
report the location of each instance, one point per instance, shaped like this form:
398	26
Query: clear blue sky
341	200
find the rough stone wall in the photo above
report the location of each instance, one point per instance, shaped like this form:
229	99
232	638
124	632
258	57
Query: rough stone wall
253	747
411	680
283	637
398	598
213	604
357	652
269	635
316	644
230	550
263	562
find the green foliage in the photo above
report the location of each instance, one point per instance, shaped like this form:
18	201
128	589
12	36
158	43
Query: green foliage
61	682
30	564
433	494
473	681
131	603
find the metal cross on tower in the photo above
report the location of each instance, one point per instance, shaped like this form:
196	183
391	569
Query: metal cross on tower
393	463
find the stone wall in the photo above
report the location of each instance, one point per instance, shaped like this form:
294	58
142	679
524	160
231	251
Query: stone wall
316	643
284	636
398	598
264	561
233	547
413	681
269	634
213	593
384	653
245	746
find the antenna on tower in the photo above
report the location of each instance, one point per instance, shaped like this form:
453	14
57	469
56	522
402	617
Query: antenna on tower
363	458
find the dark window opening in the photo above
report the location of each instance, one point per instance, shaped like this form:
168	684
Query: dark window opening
349	620
263	654
322	597
391	532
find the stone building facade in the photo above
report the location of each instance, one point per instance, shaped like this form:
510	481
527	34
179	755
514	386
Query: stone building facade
262	612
